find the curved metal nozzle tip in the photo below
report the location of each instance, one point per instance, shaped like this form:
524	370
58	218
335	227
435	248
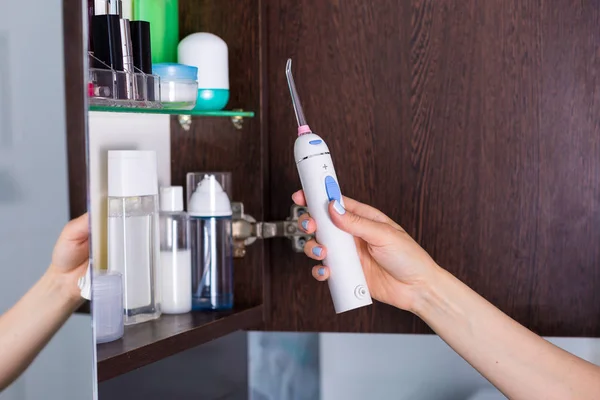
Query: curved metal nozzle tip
294	94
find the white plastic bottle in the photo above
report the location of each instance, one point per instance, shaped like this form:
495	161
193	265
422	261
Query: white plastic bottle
133	231
175	253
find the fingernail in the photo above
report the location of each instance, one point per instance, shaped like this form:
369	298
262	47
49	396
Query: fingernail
337	206
317	251
305	224
321	271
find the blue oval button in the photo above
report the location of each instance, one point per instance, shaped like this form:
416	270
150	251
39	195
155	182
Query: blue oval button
332	189
315	142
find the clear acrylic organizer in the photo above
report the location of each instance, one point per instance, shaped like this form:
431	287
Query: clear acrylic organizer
108	87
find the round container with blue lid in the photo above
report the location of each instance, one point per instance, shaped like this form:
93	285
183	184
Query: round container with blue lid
178	85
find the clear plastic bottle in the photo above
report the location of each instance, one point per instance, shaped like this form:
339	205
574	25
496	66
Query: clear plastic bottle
175	253
212	246
133	231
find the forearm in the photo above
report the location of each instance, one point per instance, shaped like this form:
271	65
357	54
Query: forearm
518	362
28	326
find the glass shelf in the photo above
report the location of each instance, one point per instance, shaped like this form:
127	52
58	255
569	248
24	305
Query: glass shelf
193	113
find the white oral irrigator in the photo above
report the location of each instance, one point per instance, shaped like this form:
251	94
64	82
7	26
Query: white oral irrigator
347	282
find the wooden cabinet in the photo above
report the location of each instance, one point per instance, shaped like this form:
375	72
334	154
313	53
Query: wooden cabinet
473	124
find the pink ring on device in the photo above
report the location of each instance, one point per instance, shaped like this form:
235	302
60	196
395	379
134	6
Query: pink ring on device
303	129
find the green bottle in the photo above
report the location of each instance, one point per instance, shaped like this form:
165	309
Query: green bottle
163	16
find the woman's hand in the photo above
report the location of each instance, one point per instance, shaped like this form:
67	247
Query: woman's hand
399	272
395	266
71	255
52	300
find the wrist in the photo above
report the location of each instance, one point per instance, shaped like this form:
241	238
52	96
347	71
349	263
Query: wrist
62	287
428	295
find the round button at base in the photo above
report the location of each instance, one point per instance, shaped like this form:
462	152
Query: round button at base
360	292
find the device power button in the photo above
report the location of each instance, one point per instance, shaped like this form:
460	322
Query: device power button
360	292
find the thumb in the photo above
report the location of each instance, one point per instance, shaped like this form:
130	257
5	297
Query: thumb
375	233
76	230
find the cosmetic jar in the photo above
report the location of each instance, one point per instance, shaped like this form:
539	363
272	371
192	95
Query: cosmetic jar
178	85
107	305
209	54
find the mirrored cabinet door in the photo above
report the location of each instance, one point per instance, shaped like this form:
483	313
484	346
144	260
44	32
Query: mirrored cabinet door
34	190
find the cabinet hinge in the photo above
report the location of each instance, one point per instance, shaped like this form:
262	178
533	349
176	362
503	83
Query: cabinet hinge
246	229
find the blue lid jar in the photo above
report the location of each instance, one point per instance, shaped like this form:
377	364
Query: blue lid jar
178	85
174	71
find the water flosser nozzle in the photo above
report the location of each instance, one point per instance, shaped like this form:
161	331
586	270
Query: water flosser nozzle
303	127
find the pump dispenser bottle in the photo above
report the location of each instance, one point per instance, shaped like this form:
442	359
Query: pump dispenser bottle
212	246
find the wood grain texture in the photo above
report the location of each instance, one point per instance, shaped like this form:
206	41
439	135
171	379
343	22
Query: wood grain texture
146	343
476	108
565	292
475	125
265	153
213	144
75	111
351	66
76	106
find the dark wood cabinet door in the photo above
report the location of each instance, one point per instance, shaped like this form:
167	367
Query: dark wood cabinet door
75	106
213	144
474	124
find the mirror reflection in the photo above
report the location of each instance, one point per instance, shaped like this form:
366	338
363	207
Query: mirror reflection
46	347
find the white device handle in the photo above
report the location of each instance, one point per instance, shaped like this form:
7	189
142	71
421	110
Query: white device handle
347	282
